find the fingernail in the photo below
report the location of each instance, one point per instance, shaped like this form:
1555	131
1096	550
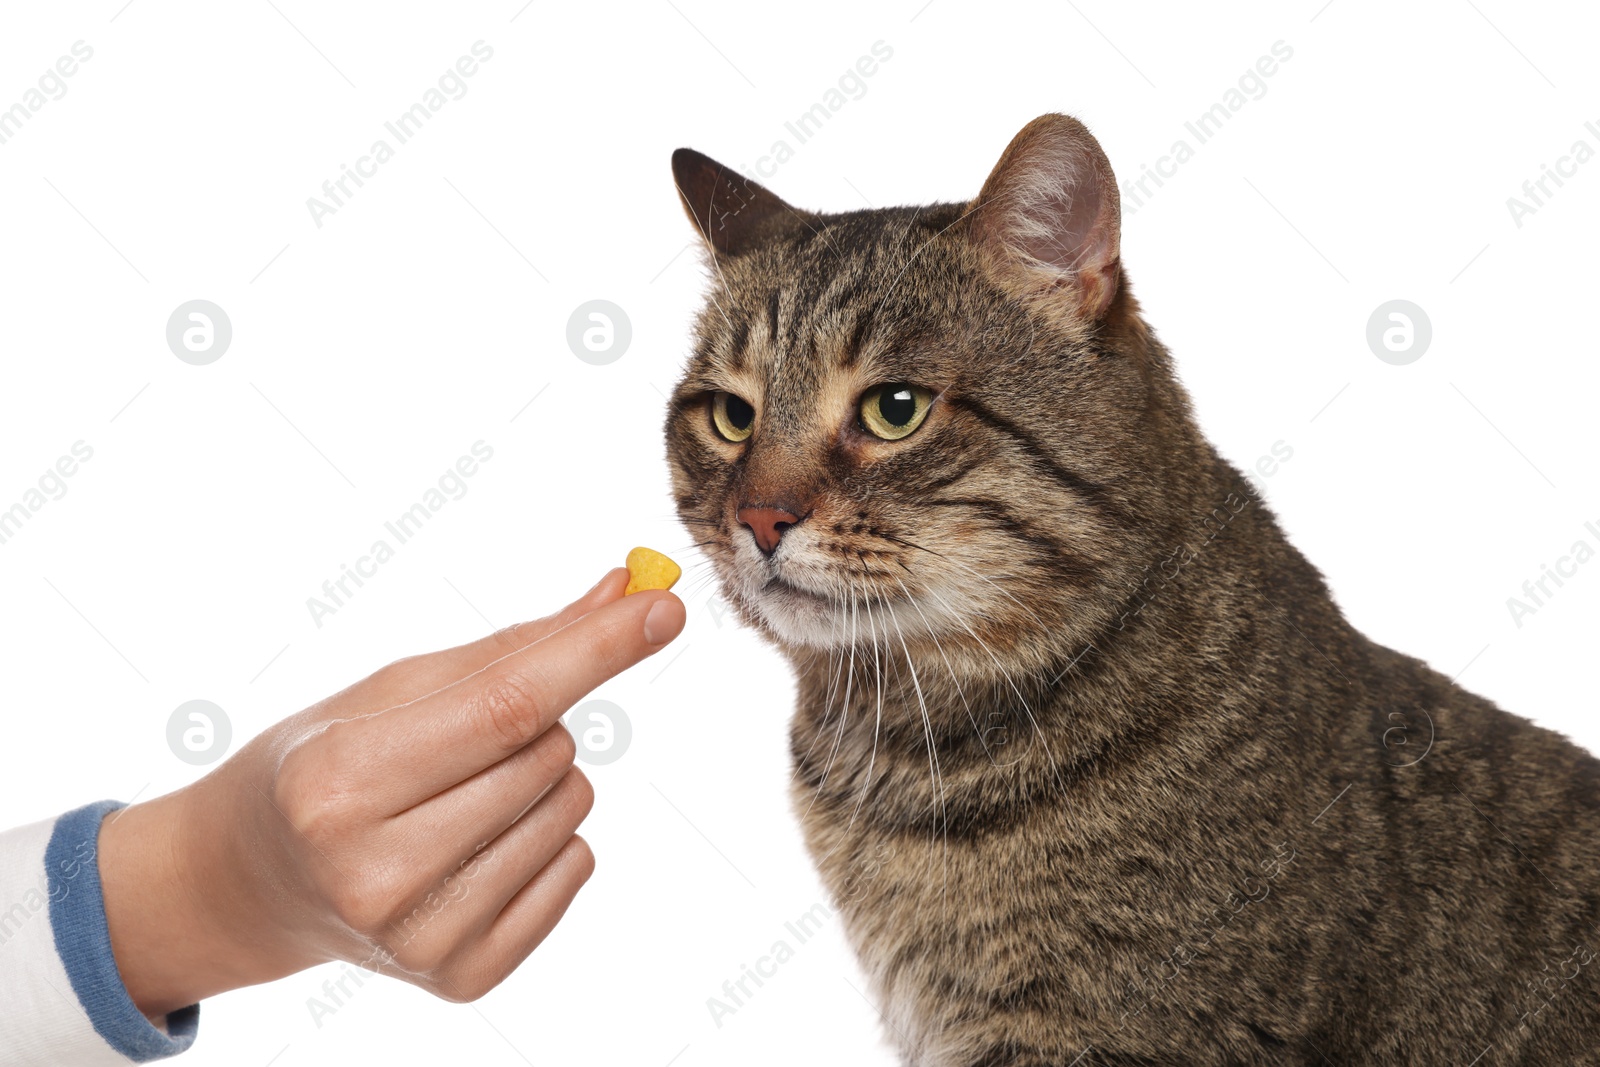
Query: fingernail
664	621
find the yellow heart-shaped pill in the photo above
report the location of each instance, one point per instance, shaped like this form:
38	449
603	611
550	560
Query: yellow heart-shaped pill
649	569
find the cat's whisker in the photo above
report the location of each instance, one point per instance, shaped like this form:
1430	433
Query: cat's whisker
832	688
686	546
877	724
1003	592
850	678
834	613
848	689
936	777
697	586
698	583
844	715
703	572
948	666
975	573
1055	770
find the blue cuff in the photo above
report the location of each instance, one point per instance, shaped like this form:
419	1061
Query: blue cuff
83	940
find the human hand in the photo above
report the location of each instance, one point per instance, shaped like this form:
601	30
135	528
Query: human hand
420	823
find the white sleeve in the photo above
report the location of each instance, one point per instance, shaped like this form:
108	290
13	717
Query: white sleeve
62	1000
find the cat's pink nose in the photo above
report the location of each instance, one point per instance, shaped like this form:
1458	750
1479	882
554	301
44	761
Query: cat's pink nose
768	524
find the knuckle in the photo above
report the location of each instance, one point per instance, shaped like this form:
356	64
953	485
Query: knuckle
421	955
396	676
510	707
585	791
422	941
509	639
367	905
449	992
579	801
318	786
557	750
467	985
582	856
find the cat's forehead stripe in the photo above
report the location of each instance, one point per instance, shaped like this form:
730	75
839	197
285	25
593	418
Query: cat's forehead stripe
840	292
860	333
738	345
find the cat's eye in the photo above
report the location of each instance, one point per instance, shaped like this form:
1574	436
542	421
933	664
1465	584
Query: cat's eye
892	411
732	416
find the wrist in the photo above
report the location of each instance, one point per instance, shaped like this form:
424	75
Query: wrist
167	885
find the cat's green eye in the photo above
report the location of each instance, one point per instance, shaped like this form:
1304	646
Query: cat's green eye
732	416
892	411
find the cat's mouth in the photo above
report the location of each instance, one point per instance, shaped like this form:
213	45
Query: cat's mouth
799	611
834	617
777	585
812	602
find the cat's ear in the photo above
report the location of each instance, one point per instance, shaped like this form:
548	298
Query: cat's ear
733	213
1049	219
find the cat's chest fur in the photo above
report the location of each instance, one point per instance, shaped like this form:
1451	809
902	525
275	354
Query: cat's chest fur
988	883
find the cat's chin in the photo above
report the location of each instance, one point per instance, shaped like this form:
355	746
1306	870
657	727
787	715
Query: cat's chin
796	616
801	618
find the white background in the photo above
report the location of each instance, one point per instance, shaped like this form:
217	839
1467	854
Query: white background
423	316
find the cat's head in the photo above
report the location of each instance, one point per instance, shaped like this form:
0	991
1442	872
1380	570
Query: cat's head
945	425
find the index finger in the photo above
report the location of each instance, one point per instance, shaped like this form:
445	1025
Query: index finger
406	679
450	735
423	674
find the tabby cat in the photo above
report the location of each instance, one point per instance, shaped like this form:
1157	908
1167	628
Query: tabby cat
1092	764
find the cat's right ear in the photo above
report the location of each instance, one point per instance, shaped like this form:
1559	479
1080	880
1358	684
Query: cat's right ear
733	213
1049	219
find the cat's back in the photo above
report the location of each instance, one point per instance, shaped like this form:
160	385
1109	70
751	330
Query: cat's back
1463	855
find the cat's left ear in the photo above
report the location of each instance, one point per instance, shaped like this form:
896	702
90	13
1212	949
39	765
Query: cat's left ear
1049	219
733	213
